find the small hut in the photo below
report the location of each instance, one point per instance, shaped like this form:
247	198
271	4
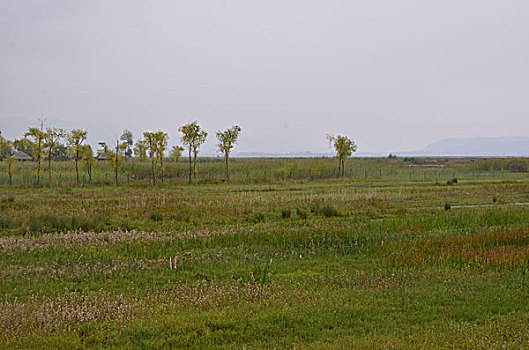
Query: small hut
22	156
102	156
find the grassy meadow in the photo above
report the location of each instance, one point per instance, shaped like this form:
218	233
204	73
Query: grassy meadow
285	256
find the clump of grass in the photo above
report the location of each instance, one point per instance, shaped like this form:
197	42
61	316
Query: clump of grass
49	223
452	181
57	223
182	217
87	223
286	213
7	222
328	211
517	167
8	199
156	216
447	206
261	273
258	217
210	181
302	214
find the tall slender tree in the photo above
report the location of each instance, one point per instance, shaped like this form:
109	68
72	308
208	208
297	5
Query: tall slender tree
176	153
75	141
128	139
6	147
87	155
161	140
115	157
344	148
53	138
193	137
140	150
6	155
227	140
37	137
150	141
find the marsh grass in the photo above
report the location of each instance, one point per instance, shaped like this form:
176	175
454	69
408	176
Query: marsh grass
286	213
156	216
309	261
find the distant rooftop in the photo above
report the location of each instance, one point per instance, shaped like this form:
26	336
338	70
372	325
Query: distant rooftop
19	155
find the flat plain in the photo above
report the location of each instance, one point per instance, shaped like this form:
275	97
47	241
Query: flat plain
383	258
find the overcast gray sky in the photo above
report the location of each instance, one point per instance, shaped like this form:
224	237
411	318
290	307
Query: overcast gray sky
393	75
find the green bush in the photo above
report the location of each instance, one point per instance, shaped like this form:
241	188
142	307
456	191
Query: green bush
258	217
328	210
156	216
7	222
286	213
9	199
517	167
301	213
451	182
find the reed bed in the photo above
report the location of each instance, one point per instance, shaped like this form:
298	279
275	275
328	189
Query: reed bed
366	262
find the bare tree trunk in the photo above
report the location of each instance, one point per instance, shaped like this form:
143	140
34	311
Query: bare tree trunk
116	166
77	167
39	160
195	164
153	170
49	163
162	168
190	166
227	157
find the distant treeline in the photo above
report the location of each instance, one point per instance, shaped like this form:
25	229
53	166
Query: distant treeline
55	144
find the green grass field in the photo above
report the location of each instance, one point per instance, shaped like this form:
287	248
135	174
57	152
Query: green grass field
395	259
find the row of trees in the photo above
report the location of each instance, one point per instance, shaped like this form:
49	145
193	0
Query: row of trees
40	143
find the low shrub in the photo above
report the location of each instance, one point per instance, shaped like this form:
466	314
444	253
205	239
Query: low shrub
156	216
7	222
258	217
286	213
182	217
328	210
301	213
9	199
517	167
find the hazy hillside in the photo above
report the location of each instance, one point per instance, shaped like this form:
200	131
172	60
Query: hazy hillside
481	146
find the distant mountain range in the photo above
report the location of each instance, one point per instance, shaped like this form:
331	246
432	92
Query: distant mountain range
480	146
471	147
